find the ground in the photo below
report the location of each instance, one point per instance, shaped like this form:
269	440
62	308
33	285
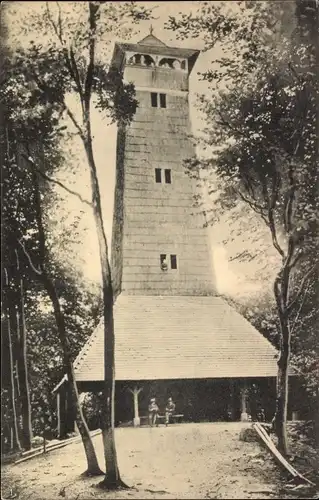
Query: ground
182	461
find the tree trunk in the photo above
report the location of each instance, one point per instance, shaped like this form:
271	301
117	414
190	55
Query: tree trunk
317	419
92	462
14	333
16	441
282	386
15	426
23	373
112	478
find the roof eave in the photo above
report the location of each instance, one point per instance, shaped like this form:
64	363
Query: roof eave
192	60
134	47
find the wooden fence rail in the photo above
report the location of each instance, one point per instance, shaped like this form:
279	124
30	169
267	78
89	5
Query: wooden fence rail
46	448
267	441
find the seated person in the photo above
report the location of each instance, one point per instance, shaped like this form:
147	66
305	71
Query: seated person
169	410
153	412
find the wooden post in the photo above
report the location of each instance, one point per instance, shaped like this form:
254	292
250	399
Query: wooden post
135	392
62	413
58	411
243	403
232	399
70	411
76	428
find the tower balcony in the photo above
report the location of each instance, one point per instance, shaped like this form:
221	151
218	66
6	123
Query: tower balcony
156	77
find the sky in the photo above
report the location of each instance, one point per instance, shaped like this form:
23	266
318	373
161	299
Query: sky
228	279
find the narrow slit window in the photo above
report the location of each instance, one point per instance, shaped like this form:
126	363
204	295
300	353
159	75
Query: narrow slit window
158	175
163	262
163	100
154	99
168	176
173	262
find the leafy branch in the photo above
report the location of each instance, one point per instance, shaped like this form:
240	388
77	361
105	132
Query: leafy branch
55	181
93	9
67	52
302	285
292	329
37	271
74	121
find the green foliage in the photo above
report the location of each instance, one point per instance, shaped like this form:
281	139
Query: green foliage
92	409
81	306
6	418
33	93
113	96
82	309
248	33
305	341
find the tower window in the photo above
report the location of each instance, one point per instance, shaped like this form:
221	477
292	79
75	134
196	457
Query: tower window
154	99
168	177
173	262
158	175
158	102
163	100
163	262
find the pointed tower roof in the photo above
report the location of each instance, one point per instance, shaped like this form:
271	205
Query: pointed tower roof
152	40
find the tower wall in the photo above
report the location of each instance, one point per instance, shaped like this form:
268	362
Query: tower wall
157	78
158	218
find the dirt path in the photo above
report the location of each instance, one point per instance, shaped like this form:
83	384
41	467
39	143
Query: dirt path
187	461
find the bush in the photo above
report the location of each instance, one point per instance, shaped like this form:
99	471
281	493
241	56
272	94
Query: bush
91	405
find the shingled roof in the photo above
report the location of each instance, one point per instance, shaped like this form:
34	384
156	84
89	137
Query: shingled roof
180	337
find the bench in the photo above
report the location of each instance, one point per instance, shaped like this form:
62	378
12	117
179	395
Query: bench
176	417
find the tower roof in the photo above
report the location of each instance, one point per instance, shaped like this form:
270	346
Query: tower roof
152	40
196	337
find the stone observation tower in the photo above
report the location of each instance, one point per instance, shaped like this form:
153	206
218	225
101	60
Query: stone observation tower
174	336
159	246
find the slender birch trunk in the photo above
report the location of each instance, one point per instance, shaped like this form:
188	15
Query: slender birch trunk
15	426
112	478
22	366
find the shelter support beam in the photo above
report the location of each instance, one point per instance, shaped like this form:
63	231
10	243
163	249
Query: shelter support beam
58	408
61	404
243	402
232	400
135	392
